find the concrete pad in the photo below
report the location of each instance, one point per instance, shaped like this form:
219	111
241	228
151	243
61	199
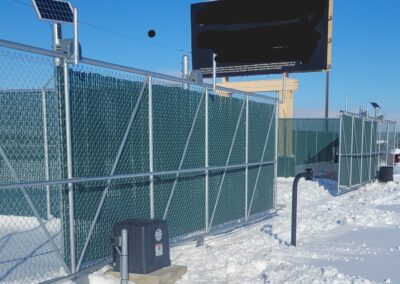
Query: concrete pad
166	275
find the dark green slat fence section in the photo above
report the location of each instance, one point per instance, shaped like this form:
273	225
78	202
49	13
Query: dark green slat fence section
101	107
21	128
359	148
308	143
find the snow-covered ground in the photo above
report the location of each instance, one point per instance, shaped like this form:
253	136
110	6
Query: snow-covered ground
352	238
26	254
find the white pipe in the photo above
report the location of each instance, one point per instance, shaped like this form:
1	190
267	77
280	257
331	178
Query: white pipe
124	270
76	37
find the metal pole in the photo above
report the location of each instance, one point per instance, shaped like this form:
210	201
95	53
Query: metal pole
387	143
57	37
46	153
284	77
351	152
276	151
68	128
206	160
394	143
327	94
76	37
246	194
362	150
340	149
185	70
308	175
214	73
346	103
151	162
124	257
370	150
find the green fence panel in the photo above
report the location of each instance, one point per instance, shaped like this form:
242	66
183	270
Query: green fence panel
101	106
308	143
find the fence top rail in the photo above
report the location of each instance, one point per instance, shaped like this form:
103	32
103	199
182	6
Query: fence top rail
349	113
99	63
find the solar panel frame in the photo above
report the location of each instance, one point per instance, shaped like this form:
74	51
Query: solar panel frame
54	11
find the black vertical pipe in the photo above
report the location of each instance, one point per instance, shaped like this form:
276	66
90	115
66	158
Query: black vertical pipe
308	175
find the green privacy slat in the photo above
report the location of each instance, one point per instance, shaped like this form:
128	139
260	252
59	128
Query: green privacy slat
101	107
308	143
102	102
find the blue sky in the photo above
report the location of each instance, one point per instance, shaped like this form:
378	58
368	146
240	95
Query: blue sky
366	45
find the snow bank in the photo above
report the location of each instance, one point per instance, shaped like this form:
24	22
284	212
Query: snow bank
340	239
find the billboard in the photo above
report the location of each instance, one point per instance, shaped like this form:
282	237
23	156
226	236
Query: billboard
255	37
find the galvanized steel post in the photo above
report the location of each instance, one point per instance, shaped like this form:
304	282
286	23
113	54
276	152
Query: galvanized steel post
246	194
387	143
370	150
124	271
151	155
362	150
46	153
351	152
276	150
68	128
340	149
206	165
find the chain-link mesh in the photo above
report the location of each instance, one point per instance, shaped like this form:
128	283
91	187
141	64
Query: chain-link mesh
122	123
308	143
366	145
29	137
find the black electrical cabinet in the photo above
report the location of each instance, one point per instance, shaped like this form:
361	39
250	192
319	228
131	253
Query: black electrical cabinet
148	245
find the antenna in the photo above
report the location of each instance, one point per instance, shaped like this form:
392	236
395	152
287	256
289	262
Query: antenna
61	12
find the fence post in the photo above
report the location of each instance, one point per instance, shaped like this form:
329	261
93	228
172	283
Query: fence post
46	152
362	150
351	152
340	149
394	143
276	150
247	161
370	151
151	162
206	160
387	143
69	167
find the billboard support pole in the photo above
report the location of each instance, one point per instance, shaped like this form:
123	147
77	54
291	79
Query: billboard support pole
214	73
327	95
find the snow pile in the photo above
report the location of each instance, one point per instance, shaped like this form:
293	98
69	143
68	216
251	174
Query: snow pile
261	254
339	240
351	238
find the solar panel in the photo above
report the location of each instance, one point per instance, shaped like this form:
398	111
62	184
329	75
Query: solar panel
54	11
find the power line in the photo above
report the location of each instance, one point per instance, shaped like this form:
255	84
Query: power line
119	33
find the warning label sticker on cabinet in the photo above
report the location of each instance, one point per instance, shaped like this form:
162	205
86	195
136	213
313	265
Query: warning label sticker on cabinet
159	249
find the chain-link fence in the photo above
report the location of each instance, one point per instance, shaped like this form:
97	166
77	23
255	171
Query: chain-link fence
308	143
85	146
366	144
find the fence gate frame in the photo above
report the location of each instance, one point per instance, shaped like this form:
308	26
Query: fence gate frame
361	158
76	258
